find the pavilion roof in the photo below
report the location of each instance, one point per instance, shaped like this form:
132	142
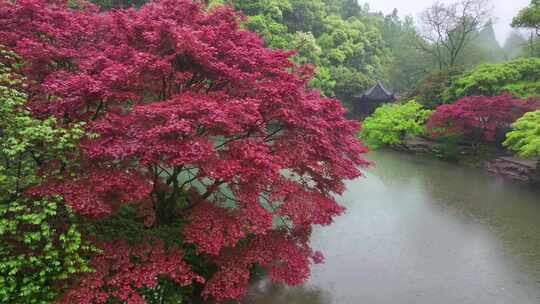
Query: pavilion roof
377	92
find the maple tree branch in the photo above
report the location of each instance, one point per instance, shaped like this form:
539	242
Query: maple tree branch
98	109
269	136
189	181
19	171
287	226
223	144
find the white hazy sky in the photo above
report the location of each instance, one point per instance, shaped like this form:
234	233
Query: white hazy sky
503	11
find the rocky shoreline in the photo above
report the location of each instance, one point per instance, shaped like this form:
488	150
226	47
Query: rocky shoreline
502	163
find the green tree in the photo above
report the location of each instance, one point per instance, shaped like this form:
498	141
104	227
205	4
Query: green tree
514	46
355	53
520	77
529	18
306	16
483	49
266	18
392	123
525	136
335	35
430	90
346	8
408	63
306	46
447	29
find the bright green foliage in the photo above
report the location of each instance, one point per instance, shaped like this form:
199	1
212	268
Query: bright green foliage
392	123
24	138
336	35
355	54
39	241
520	77
528	17
266	18
40	245
324	81
306	46
305	16
525	136
215	4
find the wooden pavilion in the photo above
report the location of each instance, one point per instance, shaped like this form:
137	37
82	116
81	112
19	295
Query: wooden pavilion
366	103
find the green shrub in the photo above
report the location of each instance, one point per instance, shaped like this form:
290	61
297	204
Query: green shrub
430	90
41	249
391	123
448	147
525	136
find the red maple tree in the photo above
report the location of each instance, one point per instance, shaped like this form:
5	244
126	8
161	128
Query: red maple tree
192	118
478	118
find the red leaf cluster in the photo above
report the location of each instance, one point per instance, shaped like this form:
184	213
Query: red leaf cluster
287	256
97	193
122	270
478	117
193	117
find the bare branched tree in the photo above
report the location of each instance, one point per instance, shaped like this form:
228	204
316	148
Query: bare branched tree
447	29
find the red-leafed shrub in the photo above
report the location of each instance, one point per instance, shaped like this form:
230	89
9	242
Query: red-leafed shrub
192	119
478	118
116	275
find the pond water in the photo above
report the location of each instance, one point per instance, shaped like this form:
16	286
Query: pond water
422	231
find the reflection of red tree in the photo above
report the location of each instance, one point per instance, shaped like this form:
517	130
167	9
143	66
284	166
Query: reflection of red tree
191	114
478	117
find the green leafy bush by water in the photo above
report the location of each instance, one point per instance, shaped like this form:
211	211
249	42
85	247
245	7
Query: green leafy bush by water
392	123
519	77
525	136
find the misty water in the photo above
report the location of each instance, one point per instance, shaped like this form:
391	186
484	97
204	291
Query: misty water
422	231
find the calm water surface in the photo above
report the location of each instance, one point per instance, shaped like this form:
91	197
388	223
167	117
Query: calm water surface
422	231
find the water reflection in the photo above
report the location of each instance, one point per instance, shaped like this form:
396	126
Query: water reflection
423	231
264	292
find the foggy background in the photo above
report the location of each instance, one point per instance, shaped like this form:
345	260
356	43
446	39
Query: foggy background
503	11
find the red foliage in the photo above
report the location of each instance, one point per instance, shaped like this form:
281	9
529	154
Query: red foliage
287	257
98	193
123	269
186	101
478	117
